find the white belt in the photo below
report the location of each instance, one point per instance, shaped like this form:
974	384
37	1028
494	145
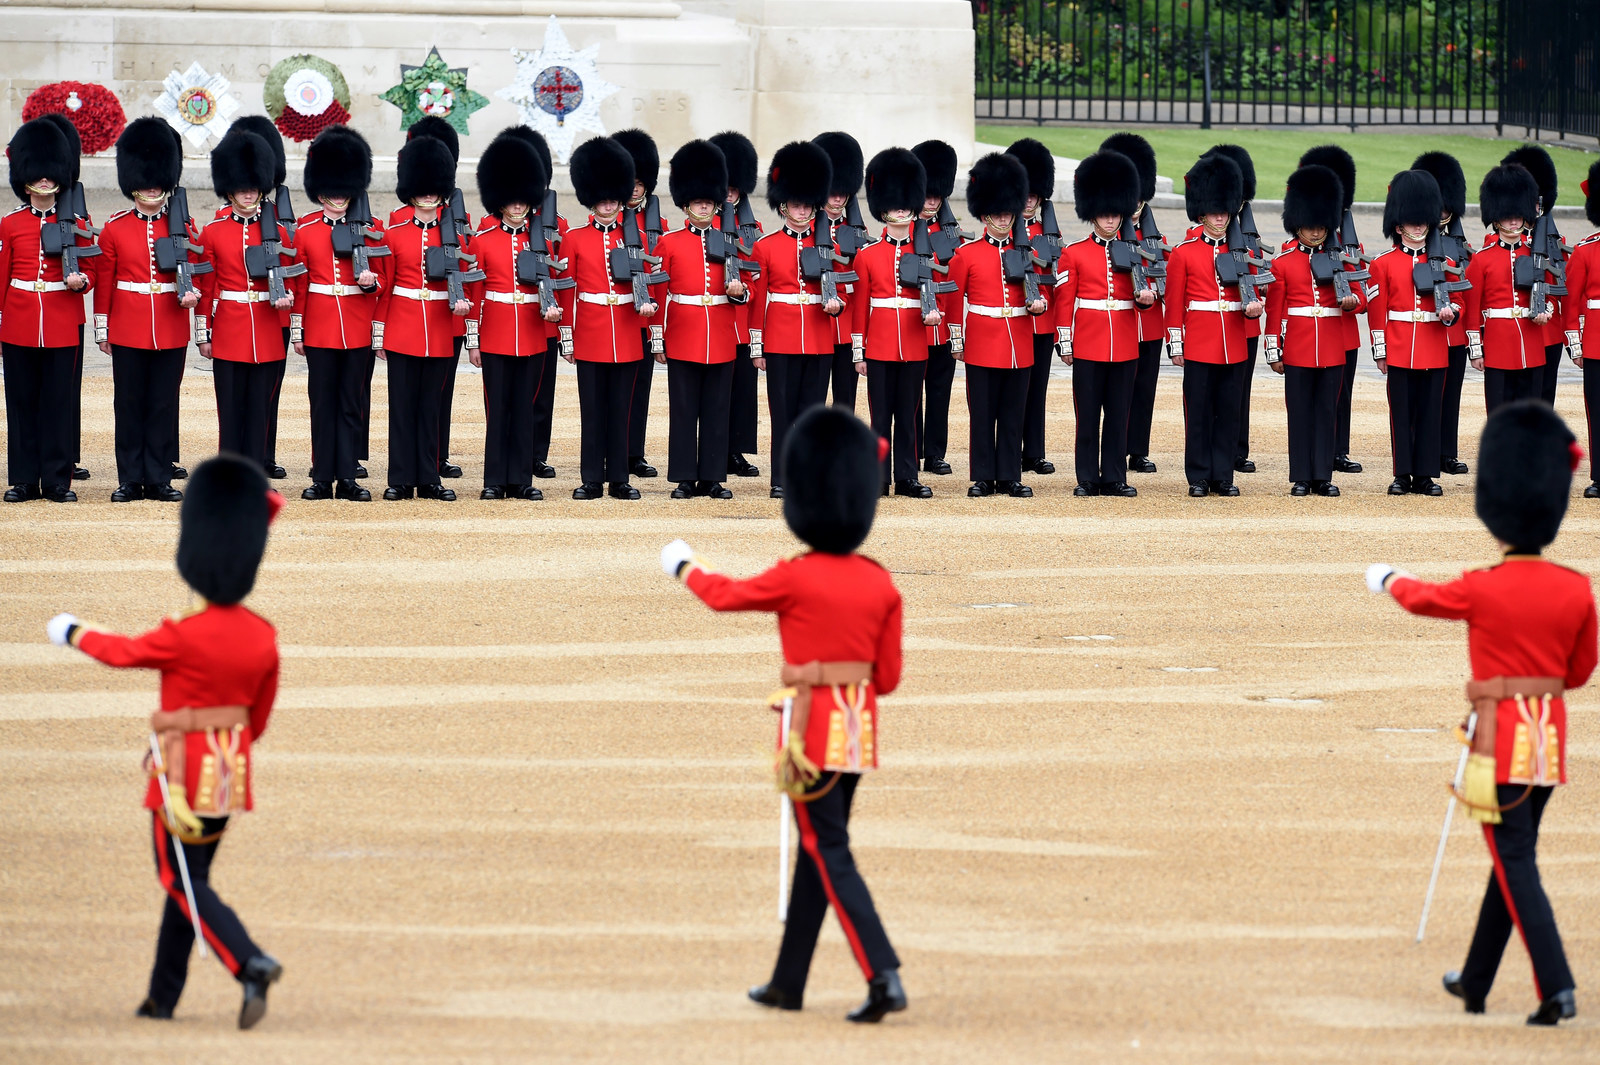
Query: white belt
799	299
335	290
898	303
1507	312
1594	305
148	288
706	300
996	312
422	294
511	297
243	297
1413	316
38	286
1104	305
1314	312
606	299
1215	305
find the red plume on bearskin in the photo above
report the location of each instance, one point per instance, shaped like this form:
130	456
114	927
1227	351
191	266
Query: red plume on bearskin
801	172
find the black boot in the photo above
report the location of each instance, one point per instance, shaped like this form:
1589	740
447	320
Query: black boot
349	489
1558	1007
1140	464
767	995
1452	984
884	995
154	1010
1344	464
258	974
318	490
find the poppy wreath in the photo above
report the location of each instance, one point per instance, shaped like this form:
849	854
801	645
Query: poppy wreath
94	111
304	95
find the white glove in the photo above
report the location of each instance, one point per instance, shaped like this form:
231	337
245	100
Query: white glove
1379	574
674	557
58	627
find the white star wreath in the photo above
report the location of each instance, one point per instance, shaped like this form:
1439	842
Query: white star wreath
196	104
559	90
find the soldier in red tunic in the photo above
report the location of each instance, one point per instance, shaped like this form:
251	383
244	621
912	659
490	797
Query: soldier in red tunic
1342	164
702	296
741	158
646	172
41	318
1582	322
839	615
1242	463
1097	324
1041	167
1446	170
511	333
1536	161
75	154
1152	331
544	400
933	421
1504	339
847	159
139	319
219	677
1531	636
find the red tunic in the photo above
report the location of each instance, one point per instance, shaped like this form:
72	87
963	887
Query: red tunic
1044	323
1582	305
240	331
696	331
1412	345
741	313
139	318
509	319
605	327
843	323
343	318
1312	342
1209	336
1525	618
792	328
1508	343
45	314
998	335
831	608
890	334
1098	334
1349	323
412	326
216	656
940	334
1151	318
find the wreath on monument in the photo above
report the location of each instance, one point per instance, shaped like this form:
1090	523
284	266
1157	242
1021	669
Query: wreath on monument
304	95
92	109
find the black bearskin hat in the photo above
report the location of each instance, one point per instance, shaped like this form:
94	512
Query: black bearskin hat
425	167
800	173
222	526
39	150
997	184
601	170
1137	149
741	156
698	172
1246	165
1508	192
510	171
1314	198
149	156
1212	186
896	181
1040	165
1340	162
533	137
242	161
74	140
1107	182
338	165
646	157
844	153
1591	195
1526	456
1413	199
830	479
262	127
1446	170
439	129
939	163
1537	162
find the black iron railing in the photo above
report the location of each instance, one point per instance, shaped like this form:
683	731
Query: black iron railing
1552	49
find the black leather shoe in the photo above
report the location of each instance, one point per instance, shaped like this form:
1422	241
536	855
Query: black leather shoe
277	473
938	466
1121	488
544	469
1398	487
179	473
1453	466
1199	491
361	472
154	1010
60	494
980	489
767	995
1222	489
524	491
1014	489
1560	1006
394	492
163	493
1426	486
449	469
740	466
125	493
1592	492
1452	984
914	489
1344	464
885	489
1325	488
436	491
685	490
258	974
318	490
1086	490
79	473
623	490
492	491
1140	464
1244	466
884	996
714	490
588	490
640	468
1040	466
776	493
1301	488
349	489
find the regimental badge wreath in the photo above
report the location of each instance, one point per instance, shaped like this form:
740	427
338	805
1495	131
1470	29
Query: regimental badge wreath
305	95
93	110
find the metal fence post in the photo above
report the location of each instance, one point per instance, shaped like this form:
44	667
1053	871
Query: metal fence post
1205	67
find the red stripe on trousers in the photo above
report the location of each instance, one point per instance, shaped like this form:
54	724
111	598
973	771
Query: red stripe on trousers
175	891
1511	906
808	840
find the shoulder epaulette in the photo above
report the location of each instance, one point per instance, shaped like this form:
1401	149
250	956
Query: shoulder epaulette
119	214
18	207
1590	239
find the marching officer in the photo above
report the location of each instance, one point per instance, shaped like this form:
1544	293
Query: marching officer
995	338
702	296
1097	323
1141	412
1446	170
1305	337
139	318
1343	165
333	328
1582	323
939	163
1536	161
1041	167
741	158
606	332
791	327
512	334
646	172
41	317
844	153
413	328
263	127
888	331
1504	339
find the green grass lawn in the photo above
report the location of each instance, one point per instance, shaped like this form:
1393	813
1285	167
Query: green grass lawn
1379	156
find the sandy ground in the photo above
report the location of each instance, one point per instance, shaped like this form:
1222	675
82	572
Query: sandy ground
1163	781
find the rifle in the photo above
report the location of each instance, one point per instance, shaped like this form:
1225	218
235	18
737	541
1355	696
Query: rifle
1455	242
918	268
266	259
949	236
817	263
1131	256
1150	240
649	217
534	265
1252	235
1018	261
633	264
284	208
725	246
350	237
172	250
1546	256
1548	237
1234	267
1433	272
445	262
850	235
550	219
1048	244
60	237
1350	252
1328	268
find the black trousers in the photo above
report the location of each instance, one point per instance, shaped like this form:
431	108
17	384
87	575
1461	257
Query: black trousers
544	402
1311	396
639	410
1044	351
997	400
417	385
225	934
1341	431
794	384
1552	364
844	377
39	404
825	875
447	401
605	397
1515	899
742	405
246	397
934	425
282	369
145	401
894	390
1211	408
1450	415
510	385
1141	413
1102	394
1415	398
335	381
364	437
1252	346
697	421
77	402
1504	386
1591	406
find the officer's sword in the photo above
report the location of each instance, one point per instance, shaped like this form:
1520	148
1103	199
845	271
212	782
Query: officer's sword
177	844
1444	834
783	826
